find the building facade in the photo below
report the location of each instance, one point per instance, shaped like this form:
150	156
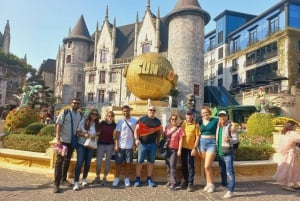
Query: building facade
97	77
246	52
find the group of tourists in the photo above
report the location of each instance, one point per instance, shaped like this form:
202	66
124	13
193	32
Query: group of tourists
210	138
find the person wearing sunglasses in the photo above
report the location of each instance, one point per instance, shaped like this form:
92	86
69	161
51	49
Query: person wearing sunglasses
88	128
66	125
147	135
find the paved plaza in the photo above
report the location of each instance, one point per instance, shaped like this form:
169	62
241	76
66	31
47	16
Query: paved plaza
24	186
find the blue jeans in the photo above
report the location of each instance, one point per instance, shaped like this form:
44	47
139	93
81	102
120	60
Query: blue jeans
84	155
146	150
227	170
207	145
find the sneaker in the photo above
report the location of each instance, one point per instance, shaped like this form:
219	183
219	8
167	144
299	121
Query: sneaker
84	182
172	187
127	182
66	183
229	194
96	181
151	183
56	189
205	188
184	185
103	182
210	188
116	182
76	186
137	183
190	188
168	184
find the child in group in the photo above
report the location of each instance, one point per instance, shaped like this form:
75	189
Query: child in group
288	168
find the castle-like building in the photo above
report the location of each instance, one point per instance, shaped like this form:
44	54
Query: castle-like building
92	67
5	39
244	52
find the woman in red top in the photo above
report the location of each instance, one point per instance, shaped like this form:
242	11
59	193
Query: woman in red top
175	134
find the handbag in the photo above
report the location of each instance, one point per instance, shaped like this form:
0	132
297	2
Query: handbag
90	143
163	144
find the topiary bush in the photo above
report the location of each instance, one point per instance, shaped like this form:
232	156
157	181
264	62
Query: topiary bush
253	153
20	117
26	142
260	124
33	129
48	130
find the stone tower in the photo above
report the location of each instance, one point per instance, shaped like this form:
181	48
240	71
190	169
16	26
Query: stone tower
71	59
5	39
186	47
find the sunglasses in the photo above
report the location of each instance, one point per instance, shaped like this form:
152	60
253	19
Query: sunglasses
174	119
76	103
94	114
152	110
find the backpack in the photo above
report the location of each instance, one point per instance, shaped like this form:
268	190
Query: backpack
235	146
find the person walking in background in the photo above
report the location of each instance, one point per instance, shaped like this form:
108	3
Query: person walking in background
207	146
190	143
105	146
66	125
147	135
174	147
288	170
226	137
88	128
124	141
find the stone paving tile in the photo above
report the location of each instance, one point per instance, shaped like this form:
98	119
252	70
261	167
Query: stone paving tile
24	186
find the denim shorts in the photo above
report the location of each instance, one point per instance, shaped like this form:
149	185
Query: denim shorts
207	145
146	150
124	156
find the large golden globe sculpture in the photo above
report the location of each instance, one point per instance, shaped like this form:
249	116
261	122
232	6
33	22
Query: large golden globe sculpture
150	76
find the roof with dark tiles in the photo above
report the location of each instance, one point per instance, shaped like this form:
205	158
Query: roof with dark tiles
48	65
80	31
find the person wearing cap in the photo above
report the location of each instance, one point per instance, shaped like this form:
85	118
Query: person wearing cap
190	142
226	137
147	135
207	146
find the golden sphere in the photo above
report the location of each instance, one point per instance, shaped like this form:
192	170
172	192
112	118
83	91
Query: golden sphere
150	76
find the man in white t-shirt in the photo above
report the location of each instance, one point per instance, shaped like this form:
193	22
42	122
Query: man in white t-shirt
124	141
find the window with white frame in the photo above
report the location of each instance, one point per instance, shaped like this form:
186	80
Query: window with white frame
90	97
102	77
103	55
101	96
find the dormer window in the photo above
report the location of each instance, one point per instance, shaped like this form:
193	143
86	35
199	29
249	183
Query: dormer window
69	45
103	55
146	47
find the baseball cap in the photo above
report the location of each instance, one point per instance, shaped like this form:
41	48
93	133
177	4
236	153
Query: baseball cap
222	112
189	112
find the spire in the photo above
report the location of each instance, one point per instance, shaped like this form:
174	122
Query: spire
80	30
106	13
148	5
158	12
6	38
188	7
137	17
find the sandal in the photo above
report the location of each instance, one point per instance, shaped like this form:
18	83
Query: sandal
296	187
288	188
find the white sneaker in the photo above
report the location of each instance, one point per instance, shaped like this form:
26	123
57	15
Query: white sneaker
210	188
76	186
116	182
126	182
229	194
205	188
84	182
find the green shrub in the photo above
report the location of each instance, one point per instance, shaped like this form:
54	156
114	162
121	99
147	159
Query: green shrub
34	128
20	118
282	120
253	153
26	142
260	124
48	130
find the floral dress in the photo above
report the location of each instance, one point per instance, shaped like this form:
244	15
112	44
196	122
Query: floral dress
288	170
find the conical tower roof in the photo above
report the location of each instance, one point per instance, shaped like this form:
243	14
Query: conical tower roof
183	7
80	31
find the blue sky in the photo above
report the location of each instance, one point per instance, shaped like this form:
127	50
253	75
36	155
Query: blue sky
39	26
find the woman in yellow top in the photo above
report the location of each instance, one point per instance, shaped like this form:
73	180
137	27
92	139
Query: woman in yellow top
189	145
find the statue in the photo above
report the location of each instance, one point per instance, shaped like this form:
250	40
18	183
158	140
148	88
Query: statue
27	93
190	104
261	101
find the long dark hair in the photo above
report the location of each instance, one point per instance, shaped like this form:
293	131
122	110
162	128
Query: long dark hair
289	126
88	121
